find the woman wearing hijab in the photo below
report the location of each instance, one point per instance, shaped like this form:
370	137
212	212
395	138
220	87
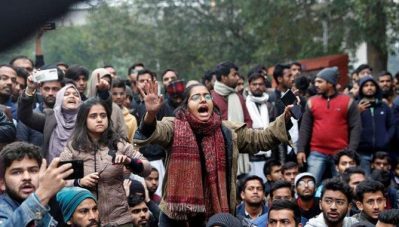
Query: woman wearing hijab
202	154
58	123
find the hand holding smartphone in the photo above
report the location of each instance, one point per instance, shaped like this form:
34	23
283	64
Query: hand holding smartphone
289	98
77	166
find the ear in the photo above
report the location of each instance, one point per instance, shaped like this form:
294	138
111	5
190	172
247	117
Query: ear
268	177
69	222
359	205
279	79
242	195
320	207
336	168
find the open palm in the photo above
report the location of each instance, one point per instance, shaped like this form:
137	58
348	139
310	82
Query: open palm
152	100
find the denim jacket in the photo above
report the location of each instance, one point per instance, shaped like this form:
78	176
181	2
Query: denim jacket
14	214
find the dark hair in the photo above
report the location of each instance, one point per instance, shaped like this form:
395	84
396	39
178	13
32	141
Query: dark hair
280	184
390	216
75	71
255	76
17	151
207	76
154	169
257	69
385	73
282	204
169	70
381	176
131	68
297	64
252	177
279	71
302	83
21	57
381	155
80	139
21	72
336	184
361	67
146	71
366	187
346	176
288	165
118	83
223	69
351	154
135	200
363	224
267	168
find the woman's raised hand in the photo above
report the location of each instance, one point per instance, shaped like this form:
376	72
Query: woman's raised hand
152	100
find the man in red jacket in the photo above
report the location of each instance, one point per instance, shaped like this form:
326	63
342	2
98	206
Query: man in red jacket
331	123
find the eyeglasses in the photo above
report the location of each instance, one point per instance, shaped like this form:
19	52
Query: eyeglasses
197	97
338	202
303	183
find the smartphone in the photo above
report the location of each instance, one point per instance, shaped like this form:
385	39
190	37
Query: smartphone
77	166
49	26
288	98
45	75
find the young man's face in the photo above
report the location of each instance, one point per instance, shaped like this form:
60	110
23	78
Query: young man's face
8	80
283	218
152	181
81	84
275	174
344	163
21	178
282	193
306	188
355	179
295	70
231	79
118	95
168	78
49	91
322	86
373	204
253	193
290	174
381	164
143	80
257	87
140	214
86	214
334	206
385	83
369	89
287	80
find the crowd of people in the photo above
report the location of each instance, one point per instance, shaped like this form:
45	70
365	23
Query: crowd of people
224	150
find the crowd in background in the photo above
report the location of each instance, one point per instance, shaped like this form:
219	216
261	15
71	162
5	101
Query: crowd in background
223	150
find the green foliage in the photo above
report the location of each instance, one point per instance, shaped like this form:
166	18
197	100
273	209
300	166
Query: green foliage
192	36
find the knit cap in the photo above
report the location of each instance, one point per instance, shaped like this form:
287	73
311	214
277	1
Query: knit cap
69	198
224	220
329	74
302	175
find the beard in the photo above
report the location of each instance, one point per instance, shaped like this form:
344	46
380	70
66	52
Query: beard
92	223
305	197
333	222
14	195
387	93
